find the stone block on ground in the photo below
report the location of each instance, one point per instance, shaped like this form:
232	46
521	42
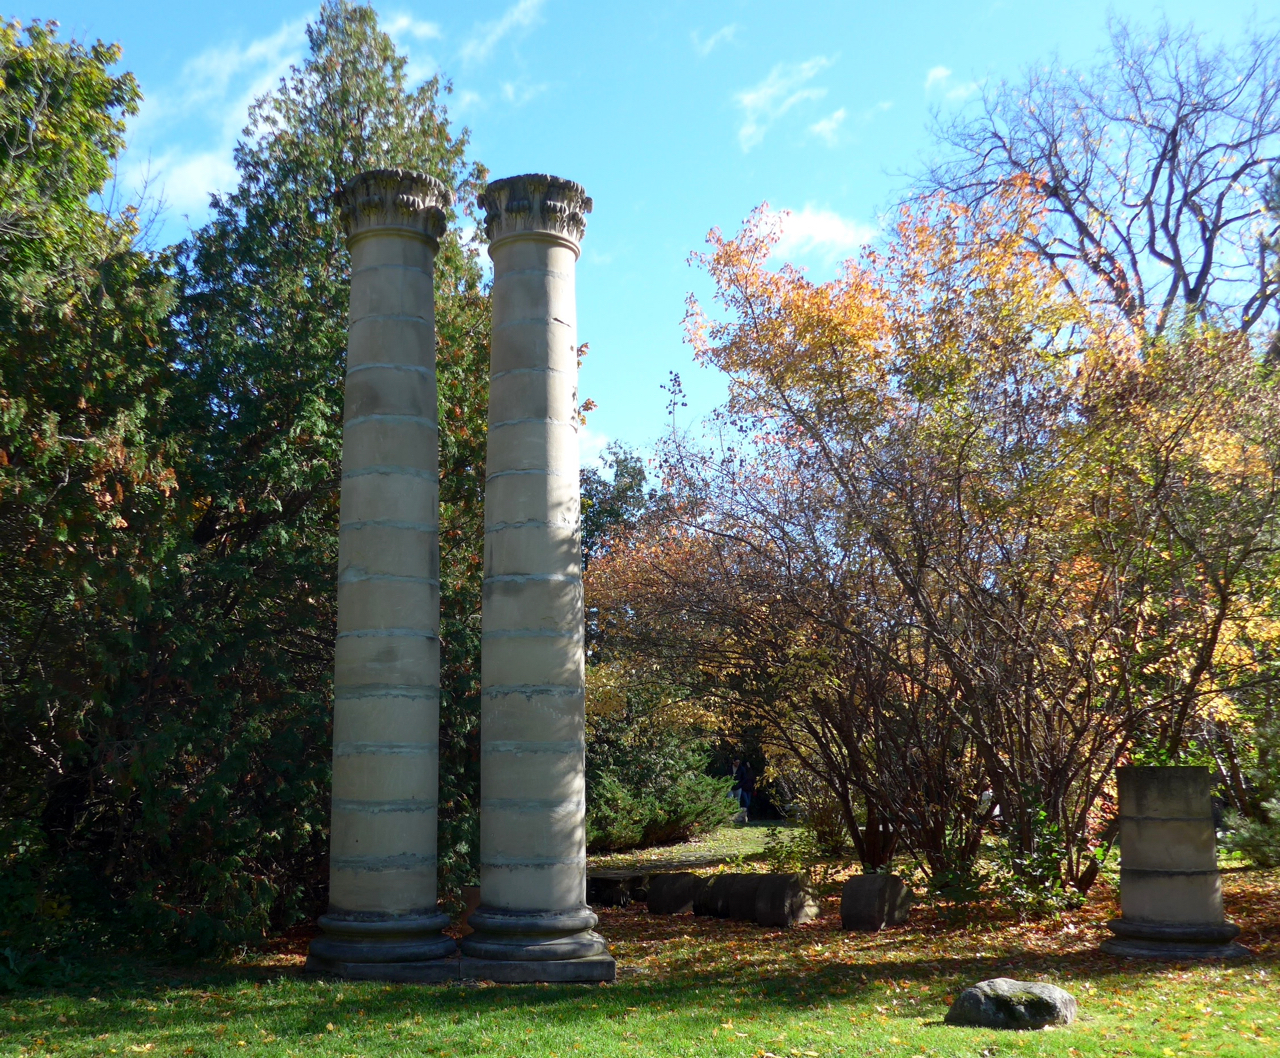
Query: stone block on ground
872	901
674	894
617	888
713	897
740	896
784	900
1003	1003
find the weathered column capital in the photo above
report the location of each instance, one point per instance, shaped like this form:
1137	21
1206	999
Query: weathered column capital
396	200
535	204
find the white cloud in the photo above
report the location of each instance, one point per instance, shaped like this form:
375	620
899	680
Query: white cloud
204	111
400	26
468	100
487	36
763	104
406	30
184	181
520	94
827	127
820	231
720	36
938	75
591	445
940	78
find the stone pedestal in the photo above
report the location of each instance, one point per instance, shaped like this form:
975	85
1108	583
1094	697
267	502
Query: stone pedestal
1170	889
383	922
533	922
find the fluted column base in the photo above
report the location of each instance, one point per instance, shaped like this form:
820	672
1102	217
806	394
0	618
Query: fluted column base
1157	940
515	946
369	947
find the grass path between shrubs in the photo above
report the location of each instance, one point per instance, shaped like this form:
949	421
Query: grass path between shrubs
690	986
734	843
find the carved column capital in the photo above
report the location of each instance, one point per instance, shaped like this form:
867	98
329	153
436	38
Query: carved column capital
394	199
535	203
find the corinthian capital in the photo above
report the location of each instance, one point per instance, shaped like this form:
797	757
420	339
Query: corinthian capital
396	199
535	202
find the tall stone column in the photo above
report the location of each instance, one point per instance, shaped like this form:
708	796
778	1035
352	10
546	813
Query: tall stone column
533	922
1170	888
383	922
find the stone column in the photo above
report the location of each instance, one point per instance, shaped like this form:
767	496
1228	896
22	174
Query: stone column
533	922
383	921
1170	889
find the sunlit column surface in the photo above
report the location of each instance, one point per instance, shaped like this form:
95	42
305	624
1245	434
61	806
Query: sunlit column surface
1170	888
383	921
533	922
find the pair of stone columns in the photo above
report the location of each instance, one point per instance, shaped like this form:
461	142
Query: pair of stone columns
533	923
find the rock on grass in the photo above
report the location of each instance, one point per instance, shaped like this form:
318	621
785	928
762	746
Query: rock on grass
1003	1003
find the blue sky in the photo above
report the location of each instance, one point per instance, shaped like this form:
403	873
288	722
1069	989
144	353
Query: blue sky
677	117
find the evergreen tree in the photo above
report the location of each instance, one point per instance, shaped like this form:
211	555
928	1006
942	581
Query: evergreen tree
198	805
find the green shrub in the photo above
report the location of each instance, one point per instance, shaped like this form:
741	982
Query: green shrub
1257	836
647	785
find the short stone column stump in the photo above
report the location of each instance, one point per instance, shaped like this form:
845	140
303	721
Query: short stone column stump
869	902
1170	888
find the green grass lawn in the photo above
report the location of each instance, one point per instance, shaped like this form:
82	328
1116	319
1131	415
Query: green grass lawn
690	986
730	844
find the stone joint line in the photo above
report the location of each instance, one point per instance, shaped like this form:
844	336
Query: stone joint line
516	473
403	317
527	321
389	523
541	422
415	368
424	691
529	633
527	371
533	523
521	578
403	861
553	273
533	861
563	690
389	633
350	804
366	269
347	577
392	471
522	746
422	420
383	749
534	804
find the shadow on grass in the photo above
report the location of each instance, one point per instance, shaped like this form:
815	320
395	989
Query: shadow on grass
703	970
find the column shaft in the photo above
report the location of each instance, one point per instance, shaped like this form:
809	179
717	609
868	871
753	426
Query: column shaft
533	922
1170	889
383	921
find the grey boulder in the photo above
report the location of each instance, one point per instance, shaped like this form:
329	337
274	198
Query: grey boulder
1003	1003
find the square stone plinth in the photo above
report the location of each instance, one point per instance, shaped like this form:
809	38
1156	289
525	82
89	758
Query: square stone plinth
591	970
429	971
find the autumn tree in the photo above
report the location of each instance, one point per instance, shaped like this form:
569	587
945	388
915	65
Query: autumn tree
86	479
957	526
1152	166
